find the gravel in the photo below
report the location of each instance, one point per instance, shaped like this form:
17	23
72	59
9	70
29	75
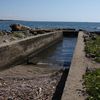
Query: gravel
29	88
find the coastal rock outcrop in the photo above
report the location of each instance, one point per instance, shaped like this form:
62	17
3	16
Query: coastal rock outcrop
19	27
19	31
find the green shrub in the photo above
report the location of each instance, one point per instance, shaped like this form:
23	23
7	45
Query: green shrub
92	47
97	59
19	35
1	33
92	84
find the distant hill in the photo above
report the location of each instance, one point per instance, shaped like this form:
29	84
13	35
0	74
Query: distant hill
10	20
1	20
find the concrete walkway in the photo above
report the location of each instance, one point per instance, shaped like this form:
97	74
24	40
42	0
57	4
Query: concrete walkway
73	86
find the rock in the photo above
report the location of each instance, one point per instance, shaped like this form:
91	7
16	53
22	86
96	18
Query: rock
4	84
18	27
10	98
86	38
33	32
1	33
33	61
1	78
40	90
93	37
87	69
27	33
87	55
80	29
13	38
4	32
23	85
0	84
90	69
92	55
6	41
40	32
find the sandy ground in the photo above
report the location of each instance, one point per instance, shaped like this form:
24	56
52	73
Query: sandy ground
28	82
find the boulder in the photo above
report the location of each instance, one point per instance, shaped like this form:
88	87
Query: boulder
32	62
40	32
92	55
33	32
86	38
18	27
3	33
6	41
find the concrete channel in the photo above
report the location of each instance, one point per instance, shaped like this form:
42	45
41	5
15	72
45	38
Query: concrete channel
73	85
18	51
21	51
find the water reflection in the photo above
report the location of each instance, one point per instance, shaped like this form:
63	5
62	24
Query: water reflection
59	54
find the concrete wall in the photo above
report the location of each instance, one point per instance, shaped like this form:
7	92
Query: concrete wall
18	51
73	86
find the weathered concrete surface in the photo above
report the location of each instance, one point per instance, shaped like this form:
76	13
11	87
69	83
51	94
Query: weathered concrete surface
73	86
18	51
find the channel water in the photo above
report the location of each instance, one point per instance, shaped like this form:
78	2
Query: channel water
59	54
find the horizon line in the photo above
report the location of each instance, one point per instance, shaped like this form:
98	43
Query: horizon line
48	21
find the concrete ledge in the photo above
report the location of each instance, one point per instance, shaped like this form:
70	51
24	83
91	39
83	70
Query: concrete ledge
18	51
77	69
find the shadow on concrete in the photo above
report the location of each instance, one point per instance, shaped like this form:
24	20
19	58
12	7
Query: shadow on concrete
60	87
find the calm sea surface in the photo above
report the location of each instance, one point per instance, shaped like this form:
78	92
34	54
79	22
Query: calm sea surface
4	25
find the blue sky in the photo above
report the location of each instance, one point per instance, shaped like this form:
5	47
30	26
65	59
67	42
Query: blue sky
51	10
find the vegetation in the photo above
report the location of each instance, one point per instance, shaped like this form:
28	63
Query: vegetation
1	33
92	48
92	84
19	34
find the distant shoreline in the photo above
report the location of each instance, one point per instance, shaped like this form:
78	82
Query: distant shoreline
10	20
46	21
6	20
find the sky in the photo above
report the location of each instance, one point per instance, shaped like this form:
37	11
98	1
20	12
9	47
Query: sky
51	10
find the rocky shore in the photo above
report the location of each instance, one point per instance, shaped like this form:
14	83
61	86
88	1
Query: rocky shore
38	88
92	46
28	82
19	32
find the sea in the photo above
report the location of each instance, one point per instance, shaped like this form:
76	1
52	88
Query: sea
89	26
